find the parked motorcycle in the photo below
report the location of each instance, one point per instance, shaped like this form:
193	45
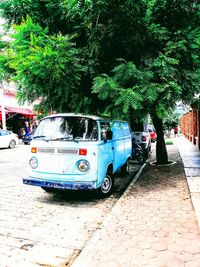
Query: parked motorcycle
138	153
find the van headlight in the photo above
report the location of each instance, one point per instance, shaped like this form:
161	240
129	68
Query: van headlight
33	162
83	165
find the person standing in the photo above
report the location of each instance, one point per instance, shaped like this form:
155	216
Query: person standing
27	127
175	131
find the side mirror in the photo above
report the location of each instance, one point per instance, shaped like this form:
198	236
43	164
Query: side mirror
106	135
109	135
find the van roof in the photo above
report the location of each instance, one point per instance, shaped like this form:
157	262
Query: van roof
75	115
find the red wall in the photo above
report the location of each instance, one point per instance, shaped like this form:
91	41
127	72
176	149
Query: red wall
190	126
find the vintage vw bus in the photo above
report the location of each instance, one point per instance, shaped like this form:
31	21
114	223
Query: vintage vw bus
74	151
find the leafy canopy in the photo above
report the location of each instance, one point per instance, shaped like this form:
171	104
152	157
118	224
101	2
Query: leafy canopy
169	65
121	57
46	67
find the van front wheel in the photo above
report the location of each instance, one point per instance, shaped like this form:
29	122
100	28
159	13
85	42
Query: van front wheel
107	186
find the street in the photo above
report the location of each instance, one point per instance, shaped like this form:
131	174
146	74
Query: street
45	229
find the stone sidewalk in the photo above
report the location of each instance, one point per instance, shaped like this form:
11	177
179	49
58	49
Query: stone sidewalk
191	159
154	222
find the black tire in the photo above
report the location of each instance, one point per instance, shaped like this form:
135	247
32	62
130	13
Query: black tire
146	153
125	167
140	157
12	144
128	168
107	186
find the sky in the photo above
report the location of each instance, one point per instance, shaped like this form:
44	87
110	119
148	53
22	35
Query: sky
1	23
5	36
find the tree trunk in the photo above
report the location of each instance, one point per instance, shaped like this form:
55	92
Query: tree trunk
161	150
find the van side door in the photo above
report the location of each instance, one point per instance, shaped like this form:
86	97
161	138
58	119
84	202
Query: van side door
105	151
127	140
119	145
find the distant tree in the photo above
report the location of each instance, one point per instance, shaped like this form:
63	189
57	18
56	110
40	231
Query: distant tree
138	57
171	120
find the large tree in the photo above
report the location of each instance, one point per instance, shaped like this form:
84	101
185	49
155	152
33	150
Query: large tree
120	57
168	68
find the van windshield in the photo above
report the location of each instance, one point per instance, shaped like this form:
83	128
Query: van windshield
67	129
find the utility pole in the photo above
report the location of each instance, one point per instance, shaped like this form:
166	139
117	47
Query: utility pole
2	106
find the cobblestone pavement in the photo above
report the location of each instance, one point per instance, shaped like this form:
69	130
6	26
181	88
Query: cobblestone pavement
41	229
153	223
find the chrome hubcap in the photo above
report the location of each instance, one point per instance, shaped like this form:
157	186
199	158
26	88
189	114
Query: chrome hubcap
106	184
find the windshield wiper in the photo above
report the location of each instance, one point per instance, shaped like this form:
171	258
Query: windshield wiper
40	137
61	139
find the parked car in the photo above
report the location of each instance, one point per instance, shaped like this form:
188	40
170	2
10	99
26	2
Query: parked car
152	132
79	152
8	139
26	139
144	140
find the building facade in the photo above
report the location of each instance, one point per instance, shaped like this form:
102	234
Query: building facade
13	115
190	125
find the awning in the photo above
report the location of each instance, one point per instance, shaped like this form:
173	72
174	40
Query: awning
23	111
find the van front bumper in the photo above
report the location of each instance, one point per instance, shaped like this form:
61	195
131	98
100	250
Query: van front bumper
59	185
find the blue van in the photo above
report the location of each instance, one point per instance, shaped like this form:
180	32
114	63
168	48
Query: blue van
75	151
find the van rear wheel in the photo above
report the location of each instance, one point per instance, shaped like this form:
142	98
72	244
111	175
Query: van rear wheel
107	186
125	167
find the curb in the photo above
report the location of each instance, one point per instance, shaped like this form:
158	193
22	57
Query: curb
91	242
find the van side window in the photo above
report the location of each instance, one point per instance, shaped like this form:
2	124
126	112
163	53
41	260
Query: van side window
105	126
126	130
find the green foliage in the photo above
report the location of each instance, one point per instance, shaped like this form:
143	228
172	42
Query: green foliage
121	58
4	72
168	68
133	90
171	120
62	49
124	88
45	66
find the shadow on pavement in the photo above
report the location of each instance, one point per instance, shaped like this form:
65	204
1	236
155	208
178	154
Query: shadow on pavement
76	197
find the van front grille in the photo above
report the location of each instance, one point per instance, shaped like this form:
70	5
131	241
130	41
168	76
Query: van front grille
57	150
67	151
46	150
